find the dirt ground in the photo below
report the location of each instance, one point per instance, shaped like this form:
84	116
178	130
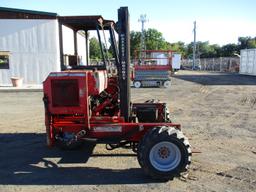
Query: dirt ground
217	112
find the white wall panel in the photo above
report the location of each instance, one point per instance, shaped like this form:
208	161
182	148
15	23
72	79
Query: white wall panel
34	49
68	40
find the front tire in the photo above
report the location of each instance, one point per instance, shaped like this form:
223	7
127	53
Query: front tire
164	152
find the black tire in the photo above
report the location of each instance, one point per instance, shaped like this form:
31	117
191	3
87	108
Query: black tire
167	84
137	84
167	138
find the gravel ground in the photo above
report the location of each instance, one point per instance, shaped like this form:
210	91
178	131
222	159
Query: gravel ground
216	111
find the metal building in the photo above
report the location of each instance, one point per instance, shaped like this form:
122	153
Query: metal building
34	43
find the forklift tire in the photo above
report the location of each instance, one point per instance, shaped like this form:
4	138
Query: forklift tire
167	84
164	153
137	84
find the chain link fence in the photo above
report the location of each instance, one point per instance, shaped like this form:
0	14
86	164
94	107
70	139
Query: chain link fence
221	64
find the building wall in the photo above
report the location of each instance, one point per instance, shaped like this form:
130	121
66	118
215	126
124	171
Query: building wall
33	46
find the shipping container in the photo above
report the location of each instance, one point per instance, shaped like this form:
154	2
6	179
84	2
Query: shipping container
248	62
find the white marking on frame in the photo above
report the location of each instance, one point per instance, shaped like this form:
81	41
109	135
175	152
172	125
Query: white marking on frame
108	129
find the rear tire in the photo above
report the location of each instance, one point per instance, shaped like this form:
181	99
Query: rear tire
167	84
164	152
137	84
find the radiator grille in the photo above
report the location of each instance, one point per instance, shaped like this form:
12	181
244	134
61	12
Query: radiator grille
65	93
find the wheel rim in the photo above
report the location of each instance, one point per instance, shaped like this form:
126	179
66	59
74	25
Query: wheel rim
137	84
167	84
165	156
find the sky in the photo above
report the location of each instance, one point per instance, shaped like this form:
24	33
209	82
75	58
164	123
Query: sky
218	21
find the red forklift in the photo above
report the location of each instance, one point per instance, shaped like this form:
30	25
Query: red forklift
85	104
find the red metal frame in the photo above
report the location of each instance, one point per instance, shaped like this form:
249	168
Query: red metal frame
76	118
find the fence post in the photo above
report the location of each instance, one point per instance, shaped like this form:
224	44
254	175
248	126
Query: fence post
213	62
220	64
230	64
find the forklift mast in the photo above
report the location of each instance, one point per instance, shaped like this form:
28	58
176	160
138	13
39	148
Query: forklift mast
123	66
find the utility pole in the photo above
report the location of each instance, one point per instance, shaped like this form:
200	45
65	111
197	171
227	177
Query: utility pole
143	20
194	47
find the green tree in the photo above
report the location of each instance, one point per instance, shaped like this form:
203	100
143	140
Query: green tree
189	50
252	43
216	51
228	50
246	42
153	41
135	44
179	47
205	50
243	42
95	52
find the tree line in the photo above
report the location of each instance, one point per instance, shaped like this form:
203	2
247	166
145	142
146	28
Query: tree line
154	40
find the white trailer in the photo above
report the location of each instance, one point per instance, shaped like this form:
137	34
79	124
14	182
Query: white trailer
248	62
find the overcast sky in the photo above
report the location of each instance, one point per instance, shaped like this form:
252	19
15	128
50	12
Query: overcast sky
218	21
